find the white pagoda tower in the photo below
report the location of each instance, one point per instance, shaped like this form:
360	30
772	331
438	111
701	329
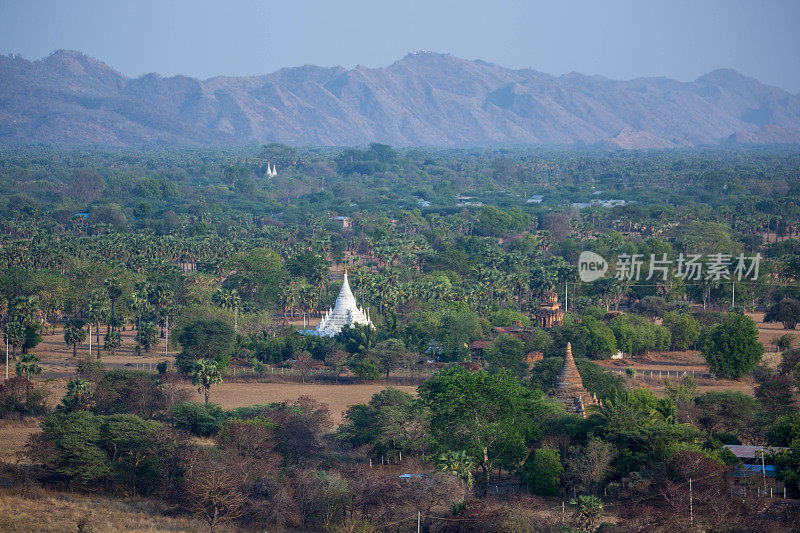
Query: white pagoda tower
345	311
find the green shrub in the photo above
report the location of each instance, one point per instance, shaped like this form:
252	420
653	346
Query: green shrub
199	419
507	317
732	348
366	369
86	449
543	471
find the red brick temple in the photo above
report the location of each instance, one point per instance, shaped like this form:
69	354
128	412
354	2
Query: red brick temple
570	390
550	313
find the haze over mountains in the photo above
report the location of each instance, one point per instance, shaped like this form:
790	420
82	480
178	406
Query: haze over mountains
423	99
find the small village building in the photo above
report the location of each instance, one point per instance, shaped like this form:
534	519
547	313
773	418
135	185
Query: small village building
346	222
515	330
756	471
550	313
570	390
344	311
477	349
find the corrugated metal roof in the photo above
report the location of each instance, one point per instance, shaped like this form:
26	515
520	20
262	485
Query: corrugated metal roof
753	452
749	470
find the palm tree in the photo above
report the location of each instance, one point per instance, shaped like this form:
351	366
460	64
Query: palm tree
161	299
307	298
14	334
74	334
27	365
112	341
459	464
286	300
79	397
588	510
205	374
25	309
97	311
140	299
624	410
229	299
114	291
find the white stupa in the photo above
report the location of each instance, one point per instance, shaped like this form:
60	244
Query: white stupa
345	311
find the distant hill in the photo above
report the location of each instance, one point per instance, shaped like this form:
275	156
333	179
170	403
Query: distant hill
423	99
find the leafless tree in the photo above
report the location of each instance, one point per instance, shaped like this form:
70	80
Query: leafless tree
589	465
213	492
303	362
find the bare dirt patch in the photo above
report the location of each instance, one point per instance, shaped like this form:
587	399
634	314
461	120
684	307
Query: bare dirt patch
656	385
664	361
57	359
337	397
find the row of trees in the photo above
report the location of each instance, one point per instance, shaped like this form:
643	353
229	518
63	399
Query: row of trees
125	430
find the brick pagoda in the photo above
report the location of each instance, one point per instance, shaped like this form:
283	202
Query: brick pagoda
569	387
550	313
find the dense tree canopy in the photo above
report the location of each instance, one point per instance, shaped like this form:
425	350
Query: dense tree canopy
732	348
484	414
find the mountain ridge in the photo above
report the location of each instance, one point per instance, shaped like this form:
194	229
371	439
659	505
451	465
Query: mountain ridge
425	98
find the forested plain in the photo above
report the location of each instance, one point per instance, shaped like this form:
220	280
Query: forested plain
442	246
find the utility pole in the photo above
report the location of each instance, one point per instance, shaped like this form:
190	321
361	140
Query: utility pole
733	295
566	297
419	522
90	339
691	510
166	336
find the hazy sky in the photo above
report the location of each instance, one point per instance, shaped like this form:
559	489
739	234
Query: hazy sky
619	39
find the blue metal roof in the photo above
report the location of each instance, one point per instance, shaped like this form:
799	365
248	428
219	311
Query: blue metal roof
749	470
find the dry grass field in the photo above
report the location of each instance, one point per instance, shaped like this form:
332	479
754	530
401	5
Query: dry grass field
13	436
41	510
337	397
747	386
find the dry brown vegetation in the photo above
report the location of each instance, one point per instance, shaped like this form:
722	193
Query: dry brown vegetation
13	436
42	510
